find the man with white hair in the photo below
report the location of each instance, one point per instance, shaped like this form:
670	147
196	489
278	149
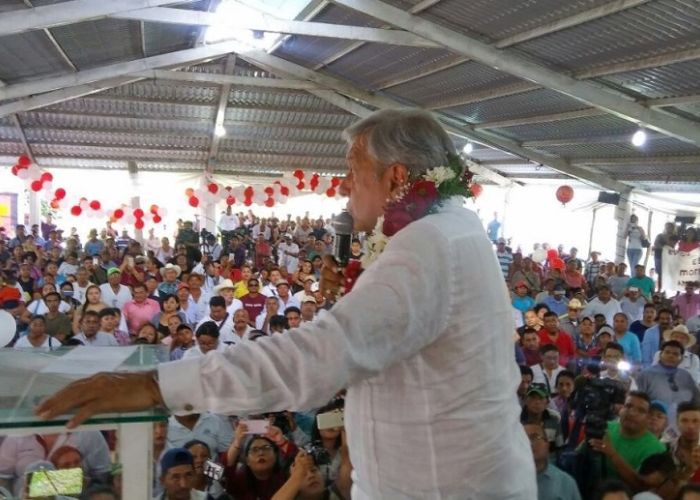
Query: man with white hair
409	336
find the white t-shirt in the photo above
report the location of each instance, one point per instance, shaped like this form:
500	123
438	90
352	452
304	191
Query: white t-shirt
49	343
226	334
115	299
38	307
286	260
229	222
79	292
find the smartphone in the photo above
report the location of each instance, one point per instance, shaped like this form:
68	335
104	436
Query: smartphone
213	470
257	426
96	261
130	260
45	483
330	420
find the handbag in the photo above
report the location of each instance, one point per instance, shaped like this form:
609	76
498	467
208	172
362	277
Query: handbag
645	243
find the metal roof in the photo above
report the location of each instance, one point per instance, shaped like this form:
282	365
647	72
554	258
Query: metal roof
97	90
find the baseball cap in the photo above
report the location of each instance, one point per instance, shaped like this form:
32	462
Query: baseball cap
174	457
559	290
113	270
633	289
606	329
308	298
183	285
575	304
539	391
501	241
282	282
659	405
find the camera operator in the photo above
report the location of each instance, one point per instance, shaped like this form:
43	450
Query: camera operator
612	356
228	223
628	443
188	237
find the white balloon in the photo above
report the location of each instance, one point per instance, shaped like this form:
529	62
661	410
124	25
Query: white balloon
84	204
48	186
23	174
162	211
129	219
283	199
7	328
34	172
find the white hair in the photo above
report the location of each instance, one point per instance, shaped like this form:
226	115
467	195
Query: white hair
411	137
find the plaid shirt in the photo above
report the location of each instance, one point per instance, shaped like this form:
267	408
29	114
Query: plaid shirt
592	271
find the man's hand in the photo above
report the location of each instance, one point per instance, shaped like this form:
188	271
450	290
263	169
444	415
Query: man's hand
103	393
603	446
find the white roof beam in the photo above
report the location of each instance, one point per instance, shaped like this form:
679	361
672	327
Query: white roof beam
223	79
178	58
287	68
268	23
586	16
74	11
590	93
229	66
572	141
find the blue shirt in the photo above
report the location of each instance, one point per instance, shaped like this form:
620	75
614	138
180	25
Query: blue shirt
492	229
93	248
650	344
633	350
559	307
555	484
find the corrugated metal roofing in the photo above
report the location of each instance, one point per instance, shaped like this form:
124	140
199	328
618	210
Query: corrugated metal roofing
666	81
28	55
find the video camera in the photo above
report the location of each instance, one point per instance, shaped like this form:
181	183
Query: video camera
319	454
594	403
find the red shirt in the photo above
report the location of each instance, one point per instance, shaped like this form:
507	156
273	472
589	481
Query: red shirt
564	342
254	305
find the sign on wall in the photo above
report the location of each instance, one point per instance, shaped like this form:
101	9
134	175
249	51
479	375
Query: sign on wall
679	268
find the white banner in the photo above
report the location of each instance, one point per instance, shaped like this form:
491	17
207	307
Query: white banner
678	268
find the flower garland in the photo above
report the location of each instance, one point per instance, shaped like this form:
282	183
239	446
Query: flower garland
424	196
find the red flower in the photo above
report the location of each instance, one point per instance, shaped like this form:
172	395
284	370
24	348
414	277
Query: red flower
395	219
420	198
350	274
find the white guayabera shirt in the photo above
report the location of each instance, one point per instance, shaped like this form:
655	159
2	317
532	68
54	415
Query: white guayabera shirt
423	343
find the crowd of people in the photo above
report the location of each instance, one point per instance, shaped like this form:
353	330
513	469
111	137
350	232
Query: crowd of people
592	341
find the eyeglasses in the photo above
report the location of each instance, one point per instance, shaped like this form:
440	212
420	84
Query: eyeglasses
257	450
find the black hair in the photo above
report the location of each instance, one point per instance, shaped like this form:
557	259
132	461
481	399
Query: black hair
649	306
687	406
167	296
659	462
139	285
665	310
598	316
527	329
612	486
217	301
336	404
550	314
621	314
90	313
51	294
526	370
673	343
548	348
292	309
208	328
194	442
183	326
615	346
538	307
97	489
641	395
107	311
565	374
279	320
39	317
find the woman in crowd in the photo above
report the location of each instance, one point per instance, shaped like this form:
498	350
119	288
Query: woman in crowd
169	307
68	296
148	333
93	302
305	482
260	474
201	453
305	270
207	335
331	441
37	338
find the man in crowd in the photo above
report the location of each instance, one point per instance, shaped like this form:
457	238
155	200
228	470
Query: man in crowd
628	340
530	341
90	334
641	281
572	321
198	299
504	256
604	304
666	382
685	447
633	304
557	302
241	326
285	299
687	305
177	476
222	319
293	316
308	308
114	294
648	320
547	371
552	334
653	335
618	281
552	482
140	310
288	254
593	269
58	325
253	302
611	356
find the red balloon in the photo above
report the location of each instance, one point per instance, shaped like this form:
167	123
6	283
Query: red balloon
95	205
565	194
230	200
313	183
15	169
54	204
284	190
248	192
36	186
138	213
476	189
46	177
301	186
138	224
269	190
118	213
552	254
213	188
154	209
330	192
248	202
60	193
270	202
299	174
193	201
24	161
335	182
189	192
76	210
157	218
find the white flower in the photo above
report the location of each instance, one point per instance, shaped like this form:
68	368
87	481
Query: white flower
438	175
374	244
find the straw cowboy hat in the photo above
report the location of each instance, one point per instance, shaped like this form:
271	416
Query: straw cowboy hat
227	283
169	267
680	329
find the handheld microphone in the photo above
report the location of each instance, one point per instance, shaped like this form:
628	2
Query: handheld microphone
342	223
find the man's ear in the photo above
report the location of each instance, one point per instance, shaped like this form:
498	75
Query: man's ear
397	176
